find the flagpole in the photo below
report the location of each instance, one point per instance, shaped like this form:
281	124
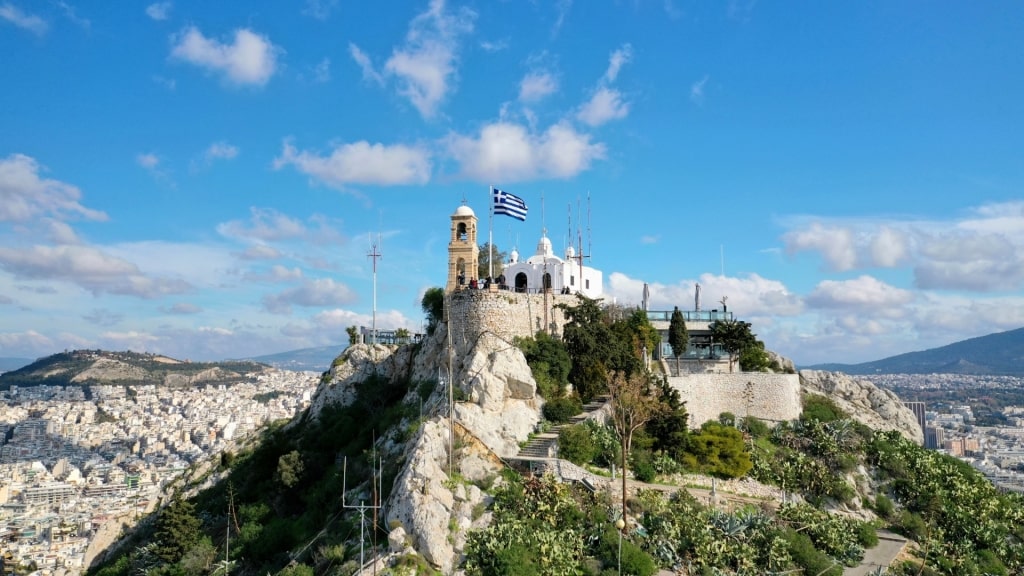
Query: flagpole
490	238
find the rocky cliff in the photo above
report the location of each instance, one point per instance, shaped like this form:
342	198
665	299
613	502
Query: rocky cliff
873	406
429	510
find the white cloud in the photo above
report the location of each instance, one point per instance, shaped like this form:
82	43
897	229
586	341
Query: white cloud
103	317
508	152
981	252
749	296
71	14
537	85
697	90
15	343
361	163
322	71
60	232
864	294
619	58
312	293
159	10
220	151
25	196
276	273
30	22
605	105
319	9
836	244
562	8
258	252
249	59
89	268
148	161
266	224
183	308
494	45
424	67
360	57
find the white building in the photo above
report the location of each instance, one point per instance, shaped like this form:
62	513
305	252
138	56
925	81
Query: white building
544	270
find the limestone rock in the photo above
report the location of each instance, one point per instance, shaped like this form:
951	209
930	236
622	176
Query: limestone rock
865	402
786	364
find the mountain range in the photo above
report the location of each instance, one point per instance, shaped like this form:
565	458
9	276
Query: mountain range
1001	353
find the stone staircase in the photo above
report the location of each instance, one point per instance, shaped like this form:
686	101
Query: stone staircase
545	445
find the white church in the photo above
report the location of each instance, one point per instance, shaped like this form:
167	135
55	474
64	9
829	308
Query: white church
541	272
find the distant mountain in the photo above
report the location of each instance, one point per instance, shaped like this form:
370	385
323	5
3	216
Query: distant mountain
102	367
308	359
7	364
1001	353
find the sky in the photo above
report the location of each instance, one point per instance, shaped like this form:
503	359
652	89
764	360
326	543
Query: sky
206	179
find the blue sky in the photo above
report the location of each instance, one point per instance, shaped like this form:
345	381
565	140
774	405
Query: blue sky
204	180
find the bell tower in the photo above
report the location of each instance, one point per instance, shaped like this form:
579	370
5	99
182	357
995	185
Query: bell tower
463	251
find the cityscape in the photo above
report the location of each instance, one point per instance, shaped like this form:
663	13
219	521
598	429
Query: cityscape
78	465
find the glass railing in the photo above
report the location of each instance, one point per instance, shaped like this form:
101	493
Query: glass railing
689	315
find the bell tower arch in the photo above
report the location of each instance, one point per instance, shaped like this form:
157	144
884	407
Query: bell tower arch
463	251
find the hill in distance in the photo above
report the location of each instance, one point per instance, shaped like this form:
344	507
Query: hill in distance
305	359
1001	353
80	367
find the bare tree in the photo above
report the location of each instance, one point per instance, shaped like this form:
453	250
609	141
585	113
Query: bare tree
633	404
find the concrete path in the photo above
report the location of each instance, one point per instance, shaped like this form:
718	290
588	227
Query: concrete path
889	547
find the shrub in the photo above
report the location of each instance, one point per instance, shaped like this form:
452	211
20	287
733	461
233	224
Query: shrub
867	535
821	408
806	556
562	409
576	444
643	465
756	428
884	506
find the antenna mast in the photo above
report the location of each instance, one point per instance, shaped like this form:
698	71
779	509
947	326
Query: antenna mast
374	253
377	489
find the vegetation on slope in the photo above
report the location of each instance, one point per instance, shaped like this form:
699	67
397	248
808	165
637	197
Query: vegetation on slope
281	502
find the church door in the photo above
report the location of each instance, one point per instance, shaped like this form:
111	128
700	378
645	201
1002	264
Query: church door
521	282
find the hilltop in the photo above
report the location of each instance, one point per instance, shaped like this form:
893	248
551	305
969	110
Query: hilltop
79	367
303	360
1001	353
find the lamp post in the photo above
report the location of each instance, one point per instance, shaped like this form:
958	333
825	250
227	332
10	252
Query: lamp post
620	524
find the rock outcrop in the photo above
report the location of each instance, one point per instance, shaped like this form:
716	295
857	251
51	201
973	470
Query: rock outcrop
427	509
865	402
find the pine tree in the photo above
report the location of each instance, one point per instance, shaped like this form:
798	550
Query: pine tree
678	336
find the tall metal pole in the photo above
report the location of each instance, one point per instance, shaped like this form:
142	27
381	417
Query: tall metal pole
374	254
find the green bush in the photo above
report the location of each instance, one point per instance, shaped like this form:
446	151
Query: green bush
755	427
821	408
642	464
718	450
561	410
806	556
867	535
884	506
576	444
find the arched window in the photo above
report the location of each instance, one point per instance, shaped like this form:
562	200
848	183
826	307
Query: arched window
521	282
547	281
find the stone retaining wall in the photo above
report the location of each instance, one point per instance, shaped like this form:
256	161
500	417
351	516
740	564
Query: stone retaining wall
769	397
505	313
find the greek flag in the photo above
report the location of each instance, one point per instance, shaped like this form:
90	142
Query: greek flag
509	204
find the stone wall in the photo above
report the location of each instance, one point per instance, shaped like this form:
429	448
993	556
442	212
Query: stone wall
504	313
769	397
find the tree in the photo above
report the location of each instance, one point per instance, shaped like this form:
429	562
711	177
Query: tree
433	306
668	428
177	530
485	258
402	335
633	405
734	335
678	336
290	468
353	335
596	347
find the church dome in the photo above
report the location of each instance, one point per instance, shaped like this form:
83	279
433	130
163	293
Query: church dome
514	256
570	253
544	247
464	211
